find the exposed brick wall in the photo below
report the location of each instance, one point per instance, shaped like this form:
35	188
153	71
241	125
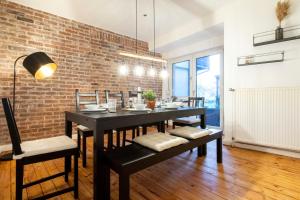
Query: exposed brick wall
87	58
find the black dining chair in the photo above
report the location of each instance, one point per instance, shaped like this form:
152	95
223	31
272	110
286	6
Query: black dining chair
132	94
159	125
82	99
119	96
83	132
192	120
39	150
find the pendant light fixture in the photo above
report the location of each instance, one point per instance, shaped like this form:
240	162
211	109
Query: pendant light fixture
152	70
138	56
138	69
164	72
123	68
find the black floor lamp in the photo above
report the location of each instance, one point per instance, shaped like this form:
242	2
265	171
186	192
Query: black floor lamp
41	66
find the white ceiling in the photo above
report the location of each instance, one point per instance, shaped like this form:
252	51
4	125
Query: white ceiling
119	15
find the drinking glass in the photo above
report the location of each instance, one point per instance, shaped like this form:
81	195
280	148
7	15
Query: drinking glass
112	105
130	103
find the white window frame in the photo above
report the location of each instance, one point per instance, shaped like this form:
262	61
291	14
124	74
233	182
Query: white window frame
192	58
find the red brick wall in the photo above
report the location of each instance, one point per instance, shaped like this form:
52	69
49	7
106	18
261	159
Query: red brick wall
87	59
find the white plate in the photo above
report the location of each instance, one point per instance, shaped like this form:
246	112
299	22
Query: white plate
136	110
171	107
94	110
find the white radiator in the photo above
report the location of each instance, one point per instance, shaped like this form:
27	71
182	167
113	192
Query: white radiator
268	117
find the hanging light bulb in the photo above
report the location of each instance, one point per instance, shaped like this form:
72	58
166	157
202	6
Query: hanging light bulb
139	70
164	73
151	72
123	70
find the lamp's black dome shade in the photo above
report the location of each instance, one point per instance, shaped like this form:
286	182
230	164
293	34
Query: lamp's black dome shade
39	65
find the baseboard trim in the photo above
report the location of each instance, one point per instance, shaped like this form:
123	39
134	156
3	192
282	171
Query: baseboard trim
267	150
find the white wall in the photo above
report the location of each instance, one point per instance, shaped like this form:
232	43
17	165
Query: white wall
194	47
241	20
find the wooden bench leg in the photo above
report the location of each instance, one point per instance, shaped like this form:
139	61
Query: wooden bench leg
124	187
19	179
199	151
219	150
204	149
83	151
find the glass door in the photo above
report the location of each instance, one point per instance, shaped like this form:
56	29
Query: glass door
208	85
201	75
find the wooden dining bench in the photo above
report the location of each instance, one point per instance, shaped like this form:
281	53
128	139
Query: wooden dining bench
133	158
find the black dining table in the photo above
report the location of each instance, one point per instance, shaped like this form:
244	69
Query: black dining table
101	122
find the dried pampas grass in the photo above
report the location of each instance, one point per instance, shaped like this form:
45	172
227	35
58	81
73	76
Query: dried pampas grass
282	10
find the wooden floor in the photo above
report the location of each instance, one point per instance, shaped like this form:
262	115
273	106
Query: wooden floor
244	174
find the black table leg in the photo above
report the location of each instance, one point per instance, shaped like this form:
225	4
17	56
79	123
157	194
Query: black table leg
162	127
68	132
219	150
101	171
144	130
158	126
124	187
203	120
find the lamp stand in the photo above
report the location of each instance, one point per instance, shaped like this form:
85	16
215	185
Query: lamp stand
14	87
8	156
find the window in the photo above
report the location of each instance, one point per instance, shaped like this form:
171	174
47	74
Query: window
181	83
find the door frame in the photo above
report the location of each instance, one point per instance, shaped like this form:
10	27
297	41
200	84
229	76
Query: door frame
192	58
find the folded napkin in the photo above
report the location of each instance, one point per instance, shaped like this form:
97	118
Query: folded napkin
190	132
159	141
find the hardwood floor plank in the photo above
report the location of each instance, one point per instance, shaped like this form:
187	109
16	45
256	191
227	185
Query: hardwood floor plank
238	183
244	175
58	182
30	176
41	172
5	185
254	174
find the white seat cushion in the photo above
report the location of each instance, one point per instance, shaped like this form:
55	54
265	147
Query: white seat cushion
159	141
47	145
188	120
190	132
83	128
